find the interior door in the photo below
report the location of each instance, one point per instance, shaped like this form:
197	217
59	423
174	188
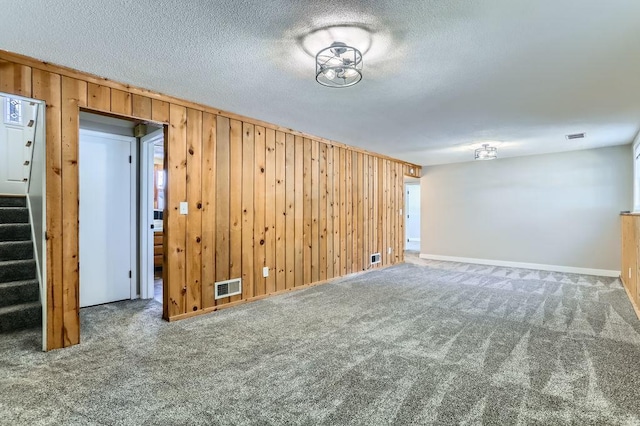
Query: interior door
105	217
17	130
413	213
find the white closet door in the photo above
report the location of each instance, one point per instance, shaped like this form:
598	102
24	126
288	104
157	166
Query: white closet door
105	217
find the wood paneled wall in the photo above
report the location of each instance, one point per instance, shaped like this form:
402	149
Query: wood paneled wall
630	268
259	195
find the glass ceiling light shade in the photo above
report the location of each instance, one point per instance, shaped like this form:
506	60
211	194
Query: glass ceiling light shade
338	65
486	152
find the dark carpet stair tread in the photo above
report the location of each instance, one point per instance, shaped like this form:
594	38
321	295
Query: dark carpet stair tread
8	201
14	215
17	270
17	292
15	232
16	250
18	317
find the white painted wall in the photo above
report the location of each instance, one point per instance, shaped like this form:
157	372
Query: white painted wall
636	173
36	200
553	209
35	193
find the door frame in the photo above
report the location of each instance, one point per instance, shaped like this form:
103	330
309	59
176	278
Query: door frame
146	258
133	213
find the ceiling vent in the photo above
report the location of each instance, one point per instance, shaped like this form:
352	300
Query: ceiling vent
228	288
576	136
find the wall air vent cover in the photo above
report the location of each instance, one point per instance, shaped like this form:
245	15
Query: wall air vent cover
576	136
375	258
228	288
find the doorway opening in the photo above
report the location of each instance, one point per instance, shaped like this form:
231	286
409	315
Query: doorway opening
152	184
118	209
412	214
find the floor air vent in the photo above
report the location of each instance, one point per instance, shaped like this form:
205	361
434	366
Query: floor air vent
375	258
228	288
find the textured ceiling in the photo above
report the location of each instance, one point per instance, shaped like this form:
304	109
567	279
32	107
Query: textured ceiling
440	77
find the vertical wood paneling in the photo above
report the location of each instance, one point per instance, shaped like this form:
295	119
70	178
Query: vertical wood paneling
315	211
307	211
159	111
349	210
98	97
236	201
329	234
367	248
248	213
323	212
74	95
141	107
15	78
358	174
398	191
343	213
222	198
270	209
176	224
290	210
259	208
257	197
120	102
193	298
47	86
385	211
208	208
337	178
298	198
281	212
379	206
371	211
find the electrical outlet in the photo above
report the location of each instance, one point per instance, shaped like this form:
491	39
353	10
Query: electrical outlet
265	271
389	250
184	207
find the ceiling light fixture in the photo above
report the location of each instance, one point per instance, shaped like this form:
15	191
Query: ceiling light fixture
486	152
338	65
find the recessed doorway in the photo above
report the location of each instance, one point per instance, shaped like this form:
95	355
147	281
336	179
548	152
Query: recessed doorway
412	214
152	188
119	212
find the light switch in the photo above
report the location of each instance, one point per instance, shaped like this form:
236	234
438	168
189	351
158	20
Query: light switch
184	207
265	271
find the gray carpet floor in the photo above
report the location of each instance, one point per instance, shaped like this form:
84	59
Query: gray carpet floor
419	343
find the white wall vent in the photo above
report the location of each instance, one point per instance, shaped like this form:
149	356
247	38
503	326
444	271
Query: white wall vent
228	288
376	258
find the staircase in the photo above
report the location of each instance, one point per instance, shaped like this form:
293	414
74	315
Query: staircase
19	290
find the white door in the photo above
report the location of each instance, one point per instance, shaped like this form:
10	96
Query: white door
17	130
105	217
147	224
412	212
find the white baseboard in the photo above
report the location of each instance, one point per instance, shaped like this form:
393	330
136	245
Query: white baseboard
539	266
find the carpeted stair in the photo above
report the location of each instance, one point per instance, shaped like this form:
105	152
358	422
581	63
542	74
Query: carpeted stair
19	290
